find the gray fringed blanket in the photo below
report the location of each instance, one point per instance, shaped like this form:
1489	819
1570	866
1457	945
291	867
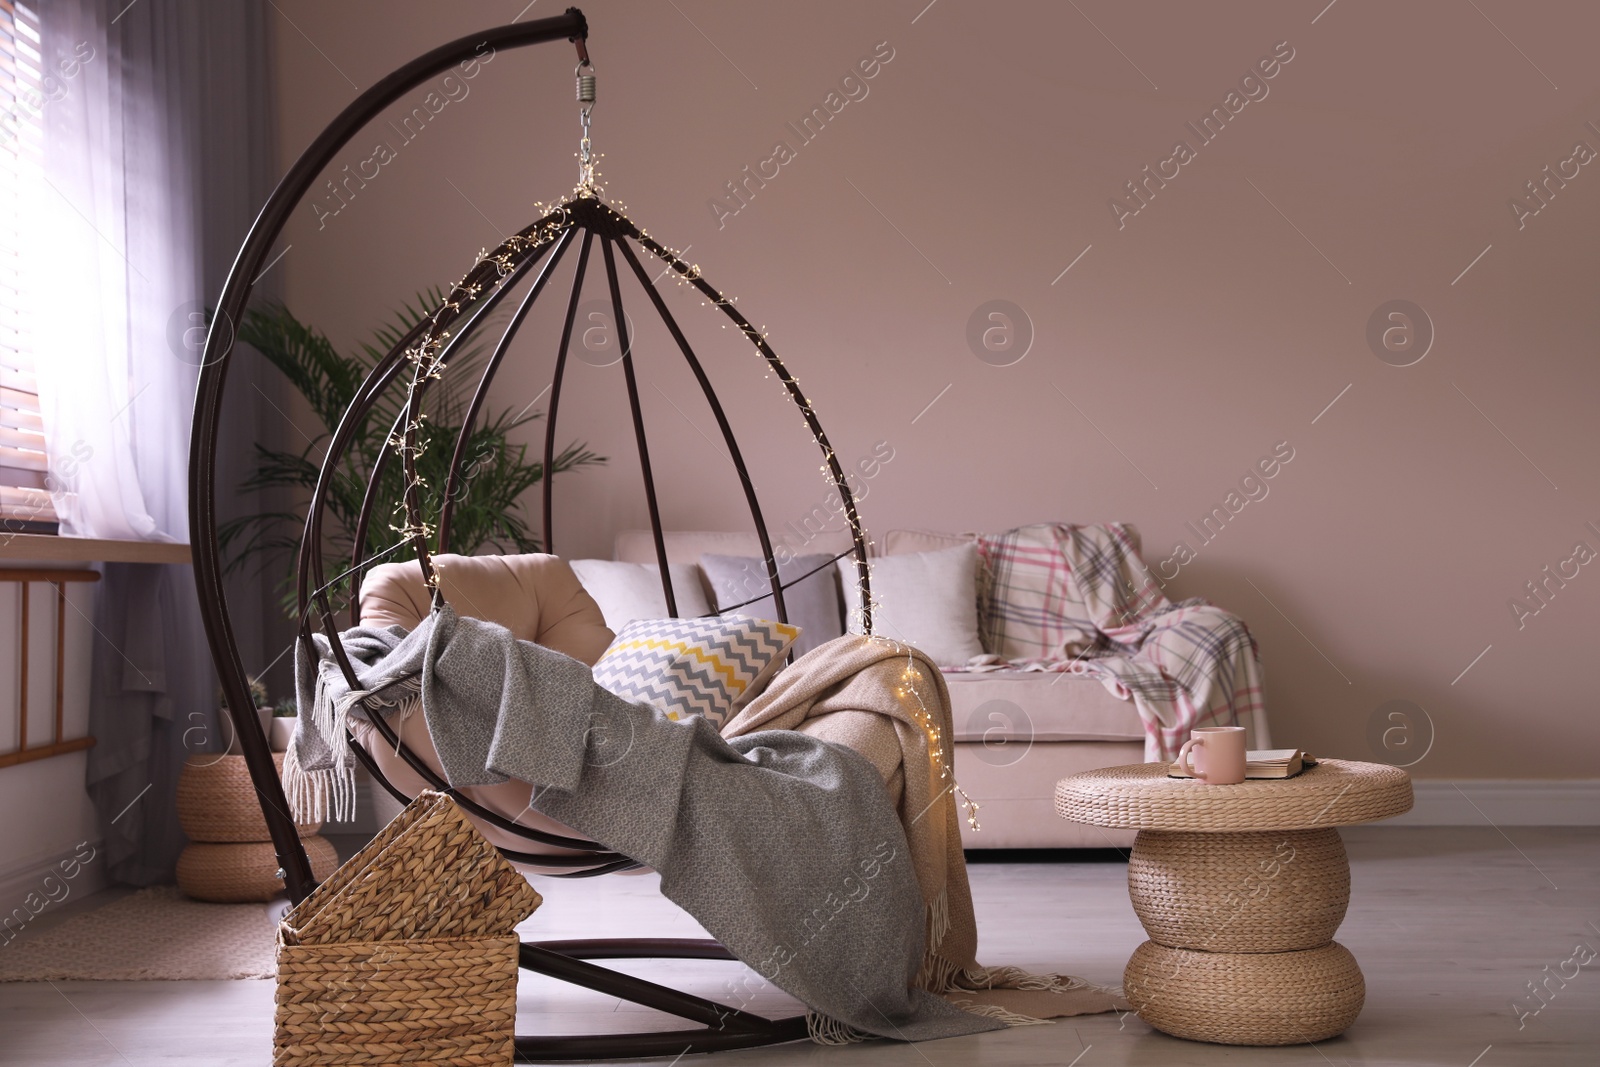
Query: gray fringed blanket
785	847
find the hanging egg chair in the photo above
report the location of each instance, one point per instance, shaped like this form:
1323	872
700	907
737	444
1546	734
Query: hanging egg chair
420	358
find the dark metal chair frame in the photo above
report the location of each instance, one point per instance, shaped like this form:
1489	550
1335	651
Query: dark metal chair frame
426	349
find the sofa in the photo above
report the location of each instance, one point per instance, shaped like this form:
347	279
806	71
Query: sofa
1016	732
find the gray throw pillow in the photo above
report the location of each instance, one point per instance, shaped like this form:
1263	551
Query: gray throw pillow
813	602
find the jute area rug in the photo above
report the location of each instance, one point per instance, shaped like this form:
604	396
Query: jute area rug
155	933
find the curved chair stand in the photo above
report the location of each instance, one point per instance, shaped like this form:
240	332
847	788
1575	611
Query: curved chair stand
426	351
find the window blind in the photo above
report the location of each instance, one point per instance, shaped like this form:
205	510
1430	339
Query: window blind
24	500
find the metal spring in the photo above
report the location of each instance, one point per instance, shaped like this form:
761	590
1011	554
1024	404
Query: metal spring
586	88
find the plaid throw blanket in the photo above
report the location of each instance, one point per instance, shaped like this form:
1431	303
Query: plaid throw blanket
1058	597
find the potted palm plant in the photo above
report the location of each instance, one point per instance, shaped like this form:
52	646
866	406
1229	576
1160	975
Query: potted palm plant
488	511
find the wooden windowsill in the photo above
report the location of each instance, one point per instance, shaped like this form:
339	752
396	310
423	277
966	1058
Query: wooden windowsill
32	547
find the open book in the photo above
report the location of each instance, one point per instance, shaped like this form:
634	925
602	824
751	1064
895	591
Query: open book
1264	763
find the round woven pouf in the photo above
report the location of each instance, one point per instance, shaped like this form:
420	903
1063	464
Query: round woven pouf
217	801
1241	888
1268	891
230	857
245	871
1246	998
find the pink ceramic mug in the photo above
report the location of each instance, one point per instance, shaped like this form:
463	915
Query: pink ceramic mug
1221	752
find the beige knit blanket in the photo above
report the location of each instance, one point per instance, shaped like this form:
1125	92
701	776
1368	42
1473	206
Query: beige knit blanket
889	702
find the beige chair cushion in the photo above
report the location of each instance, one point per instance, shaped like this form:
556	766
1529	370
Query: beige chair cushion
537	598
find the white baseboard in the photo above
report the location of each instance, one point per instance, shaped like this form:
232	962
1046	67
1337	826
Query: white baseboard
1503	802
17	880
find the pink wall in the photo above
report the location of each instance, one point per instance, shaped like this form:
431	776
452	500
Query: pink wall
1191	339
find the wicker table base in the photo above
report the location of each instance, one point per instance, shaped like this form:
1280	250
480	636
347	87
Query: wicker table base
1241	888
1241	927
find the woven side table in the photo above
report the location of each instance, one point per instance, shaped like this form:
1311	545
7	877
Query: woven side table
1240	888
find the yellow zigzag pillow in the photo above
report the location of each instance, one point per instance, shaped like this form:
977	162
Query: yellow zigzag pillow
686	667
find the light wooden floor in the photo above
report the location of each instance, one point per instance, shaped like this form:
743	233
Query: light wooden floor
1449	926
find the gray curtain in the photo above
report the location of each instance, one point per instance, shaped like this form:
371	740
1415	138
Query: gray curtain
152	704
185	93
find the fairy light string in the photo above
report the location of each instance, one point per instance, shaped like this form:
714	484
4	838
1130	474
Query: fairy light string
906	686
427	358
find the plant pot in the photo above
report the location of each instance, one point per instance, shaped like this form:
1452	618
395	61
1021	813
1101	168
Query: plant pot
225	724
229	858
282	730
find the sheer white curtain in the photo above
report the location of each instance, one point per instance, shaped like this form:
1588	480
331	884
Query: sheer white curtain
117	264
152	167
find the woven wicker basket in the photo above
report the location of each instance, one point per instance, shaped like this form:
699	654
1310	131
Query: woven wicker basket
217	801
1274	891
439	1001
239	872
429	873
406	954
1246	998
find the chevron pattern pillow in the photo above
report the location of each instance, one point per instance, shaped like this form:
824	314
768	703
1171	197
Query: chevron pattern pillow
686	667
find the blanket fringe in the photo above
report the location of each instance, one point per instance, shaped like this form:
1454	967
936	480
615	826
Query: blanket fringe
939	974
1017	978
936	973
317	796
408	703
995	1011
328	794
825	1031
945	977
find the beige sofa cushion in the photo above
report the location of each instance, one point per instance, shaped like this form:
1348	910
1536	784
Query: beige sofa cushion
1015	793
1023	705
896	542
687	546
900	542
